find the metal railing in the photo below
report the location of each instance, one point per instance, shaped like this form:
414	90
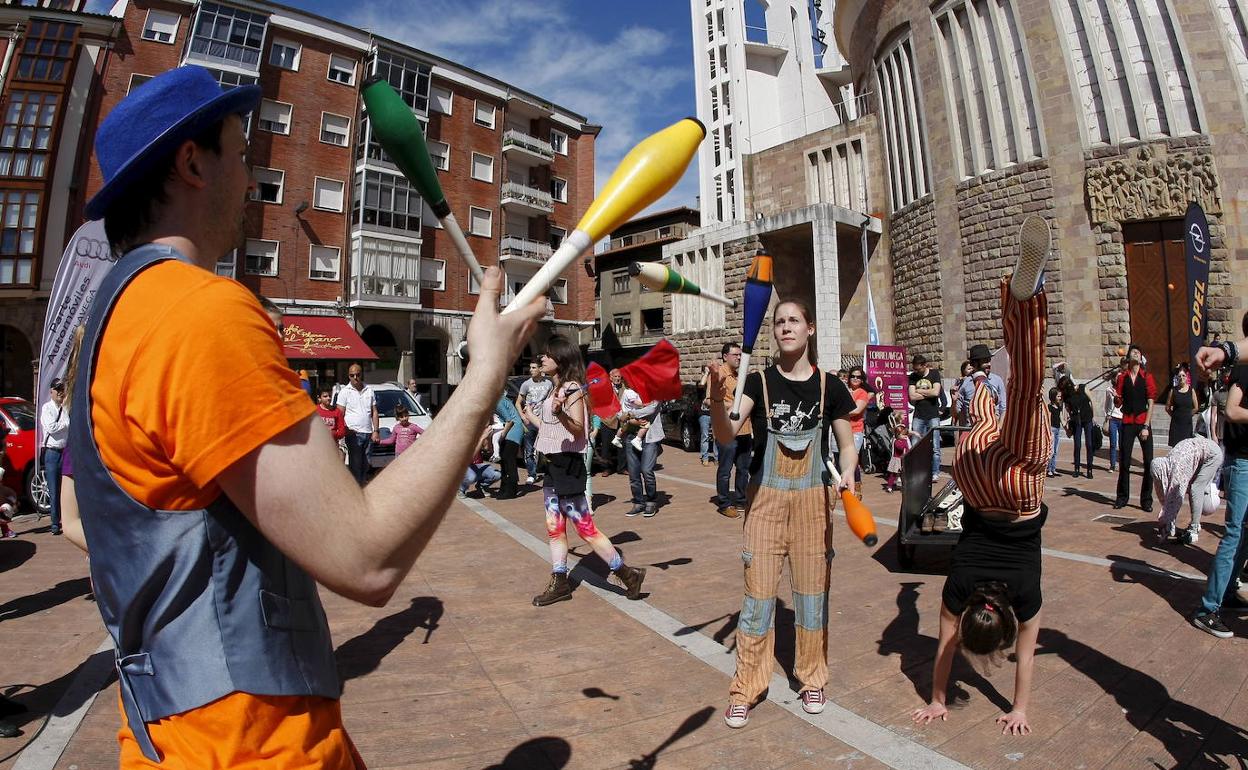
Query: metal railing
515	246
850	110
675	230
528	195
514	138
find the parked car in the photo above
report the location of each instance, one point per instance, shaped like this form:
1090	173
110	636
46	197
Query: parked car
389	395
18	418
680	419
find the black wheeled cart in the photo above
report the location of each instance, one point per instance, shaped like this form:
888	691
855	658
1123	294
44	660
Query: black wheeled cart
917	499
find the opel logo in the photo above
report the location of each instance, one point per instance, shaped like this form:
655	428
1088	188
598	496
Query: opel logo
1198	238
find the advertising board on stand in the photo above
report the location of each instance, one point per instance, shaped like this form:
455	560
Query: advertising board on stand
889	377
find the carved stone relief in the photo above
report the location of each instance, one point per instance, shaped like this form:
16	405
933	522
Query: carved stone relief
1151	182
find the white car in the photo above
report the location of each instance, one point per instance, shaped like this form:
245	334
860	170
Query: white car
389	395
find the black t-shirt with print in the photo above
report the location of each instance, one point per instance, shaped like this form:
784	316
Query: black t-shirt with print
794	406
926	408
1235	434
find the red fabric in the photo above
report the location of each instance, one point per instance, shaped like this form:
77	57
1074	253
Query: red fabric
656	375
1150	389
321	336
602	396
333	420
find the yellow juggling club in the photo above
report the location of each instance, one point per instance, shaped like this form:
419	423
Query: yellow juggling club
659	277
645	174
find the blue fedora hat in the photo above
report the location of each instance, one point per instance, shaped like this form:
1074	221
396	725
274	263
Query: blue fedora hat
150	123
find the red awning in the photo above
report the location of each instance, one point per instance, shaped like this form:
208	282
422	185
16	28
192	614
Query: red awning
321	336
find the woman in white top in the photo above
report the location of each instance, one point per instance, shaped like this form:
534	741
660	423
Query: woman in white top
562	436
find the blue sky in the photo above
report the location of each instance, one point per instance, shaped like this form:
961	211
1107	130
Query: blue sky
626	66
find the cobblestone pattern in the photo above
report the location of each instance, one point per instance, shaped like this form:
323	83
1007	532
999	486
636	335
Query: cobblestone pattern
700	348
916	278
1111	261
991	209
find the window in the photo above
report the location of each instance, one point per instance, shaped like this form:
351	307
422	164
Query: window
387	202
19	217
324	262
623	324
441	154
261	258
408	76
482	167
621	282
481	221
652	320
903	125
484	114
26	137
227	264
559	189
1131	76
285	54
559	141
269	183
386	268
441	100
335	129
161	26
341	70
557	234
559	292
705	267
47	51
137	80
986	76
327	194
433	274
275	117
227	35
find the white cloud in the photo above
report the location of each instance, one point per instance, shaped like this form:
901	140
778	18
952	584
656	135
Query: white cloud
623	80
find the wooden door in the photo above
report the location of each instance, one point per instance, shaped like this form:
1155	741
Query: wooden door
1157	292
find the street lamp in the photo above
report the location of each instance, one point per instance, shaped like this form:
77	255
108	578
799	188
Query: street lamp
302	207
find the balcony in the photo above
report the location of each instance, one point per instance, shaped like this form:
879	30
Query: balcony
760	41
515	247
525	150
674	231
526	200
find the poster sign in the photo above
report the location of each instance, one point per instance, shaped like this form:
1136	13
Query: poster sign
1196	249
86	262
889	377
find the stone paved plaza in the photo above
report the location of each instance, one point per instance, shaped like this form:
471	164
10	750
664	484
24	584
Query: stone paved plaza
460	671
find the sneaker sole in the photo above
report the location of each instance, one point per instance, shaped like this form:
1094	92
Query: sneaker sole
1033	251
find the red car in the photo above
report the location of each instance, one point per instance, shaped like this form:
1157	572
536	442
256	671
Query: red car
19	419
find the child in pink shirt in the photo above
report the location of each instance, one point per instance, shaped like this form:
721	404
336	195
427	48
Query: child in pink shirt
404	433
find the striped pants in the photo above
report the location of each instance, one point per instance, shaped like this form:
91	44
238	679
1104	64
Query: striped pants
999	465
783	523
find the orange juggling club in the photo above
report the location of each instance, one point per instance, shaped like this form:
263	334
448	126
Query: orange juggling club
861	522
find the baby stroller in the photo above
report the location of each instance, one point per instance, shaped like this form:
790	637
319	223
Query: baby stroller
877	447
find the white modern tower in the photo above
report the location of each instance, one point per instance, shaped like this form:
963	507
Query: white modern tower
767	72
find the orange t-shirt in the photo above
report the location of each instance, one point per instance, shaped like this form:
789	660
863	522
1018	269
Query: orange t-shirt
189	379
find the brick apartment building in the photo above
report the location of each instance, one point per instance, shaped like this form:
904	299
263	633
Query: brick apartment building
50	69
335	231
630	318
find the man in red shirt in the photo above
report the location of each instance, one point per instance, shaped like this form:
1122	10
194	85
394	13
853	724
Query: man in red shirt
1135	391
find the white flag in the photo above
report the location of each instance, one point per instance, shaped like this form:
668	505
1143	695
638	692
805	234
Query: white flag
86	262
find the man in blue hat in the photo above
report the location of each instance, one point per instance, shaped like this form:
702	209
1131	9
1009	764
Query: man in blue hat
211	520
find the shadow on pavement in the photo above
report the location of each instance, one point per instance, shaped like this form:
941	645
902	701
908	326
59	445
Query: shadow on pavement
545	753
58	594
692	724
1146	531
677	562
362	654
1181	594
1193	737
14	553
595	692
901	637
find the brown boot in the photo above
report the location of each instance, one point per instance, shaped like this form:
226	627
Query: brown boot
557	590
631	578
